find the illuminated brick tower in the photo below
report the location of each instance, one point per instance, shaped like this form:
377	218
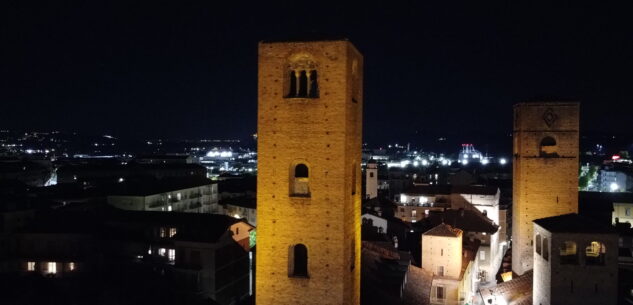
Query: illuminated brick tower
545	171
308	182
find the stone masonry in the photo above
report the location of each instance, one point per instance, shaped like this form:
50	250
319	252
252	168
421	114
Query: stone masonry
545	170
323	132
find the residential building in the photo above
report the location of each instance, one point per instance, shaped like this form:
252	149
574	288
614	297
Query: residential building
195	195
452	263
575	261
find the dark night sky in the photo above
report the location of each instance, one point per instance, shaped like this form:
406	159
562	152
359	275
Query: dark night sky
144	69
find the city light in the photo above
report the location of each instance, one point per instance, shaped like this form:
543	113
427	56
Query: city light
502	161
614	187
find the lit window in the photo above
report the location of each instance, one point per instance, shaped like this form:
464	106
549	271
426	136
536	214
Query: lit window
172	232
52	267
548	147
414	213
30	266
163	232
300	182
595	253
71	266
568	253
179	196
162	251
172	255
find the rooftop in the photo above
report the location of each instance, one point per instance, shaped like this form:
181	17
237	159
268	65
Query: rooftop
517	291
426	189
463	219
150	186
573	223
444	230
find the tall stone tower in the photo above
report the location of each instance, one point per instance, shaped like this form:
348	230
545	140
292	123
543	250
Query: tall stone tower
371	180
545	171
308	182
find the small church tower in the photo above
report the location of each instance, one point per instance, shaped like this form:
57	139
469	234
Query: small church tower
308	182
371	180
545	170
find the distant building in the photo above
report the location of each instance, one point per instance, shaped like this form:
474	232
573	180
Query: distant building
452	264
241	208
476	228
373	220
166	159
196	195
371	180
200	256
615	181
29	172
575	261
99	173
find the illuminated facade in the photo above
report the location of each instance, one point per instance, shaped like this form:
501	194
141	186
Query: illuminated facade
545	170
308	183
452	263
575	261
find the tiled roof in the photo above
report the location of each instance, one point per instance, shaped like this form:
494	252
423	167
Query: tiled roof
466	220
444	230
418	288
517	291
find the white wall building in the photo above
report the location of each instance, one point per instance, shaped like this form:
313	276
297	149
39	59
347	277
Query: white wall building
179	195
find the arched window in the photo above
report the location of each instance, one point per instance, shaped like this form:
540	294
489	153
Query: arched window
301	171
537	243
595	253
303	84
303	78
300	179
548	147
568	253
545	248
299	258
292	84
313	90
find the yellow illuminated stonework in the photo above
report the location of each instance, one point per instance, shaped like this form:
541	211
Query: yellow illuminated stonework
308	184
545	171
